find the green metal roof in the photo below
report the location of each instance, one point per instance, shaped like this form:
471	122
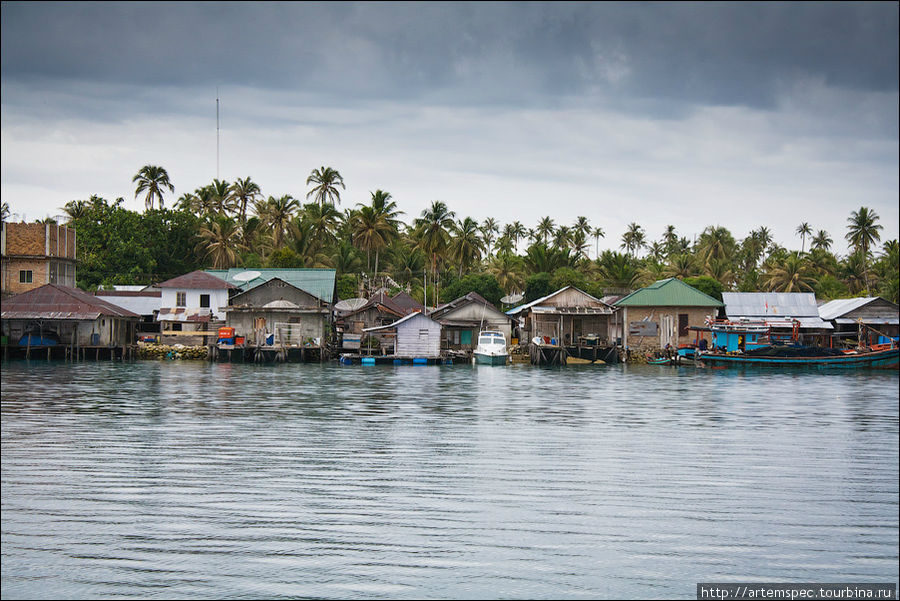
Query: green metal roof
668	293
317	282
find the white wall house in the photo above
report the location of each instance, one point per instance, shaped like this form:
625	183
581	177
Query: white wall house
196	297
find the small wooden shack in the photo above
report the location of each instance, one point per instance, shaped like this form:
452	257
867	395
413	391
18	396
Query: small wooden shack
415	336
880	317
463	318
277	308
380	310
567	315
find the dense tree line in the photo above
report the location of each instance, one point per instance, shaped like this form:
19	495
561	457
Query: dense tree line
233	224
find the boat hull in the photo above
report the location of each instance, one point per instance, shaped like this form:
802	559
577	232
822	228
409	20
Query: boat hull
481	359
889	359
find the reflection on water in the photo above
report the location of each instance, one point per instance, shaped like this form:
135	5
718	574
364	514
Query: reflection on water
196	480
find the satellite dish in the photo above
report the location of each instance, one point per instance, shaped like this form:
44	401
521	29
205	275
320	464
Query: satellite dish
512	298
246	276
351	304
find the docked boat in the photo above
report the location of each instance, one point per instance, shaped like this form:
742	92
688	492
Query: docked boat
812	357
745	343
491	349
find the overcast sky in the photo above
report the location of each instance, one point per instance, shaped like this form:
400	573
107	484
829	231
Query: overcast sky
729	114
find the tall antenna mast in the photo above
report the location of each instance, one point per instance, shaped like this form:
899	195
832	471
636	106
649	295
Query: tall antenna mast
217	132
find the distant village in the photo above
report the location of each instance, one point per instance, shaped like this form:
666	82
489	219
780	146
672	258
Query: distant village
294	315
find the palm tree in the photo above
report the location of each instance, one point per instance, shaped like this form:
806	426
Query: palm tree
466	246
562	237
657	251
432	231
822	240
582	225
764	235
326	181
4	211
75	209
618	270
670	239
152	179
803	230
244	192
579	245
221	240
507	268
862	233
489	227
545	228
633	238
222	200
518	231
323	220
278	213
681	266
715	243
597	233
791	275
375	226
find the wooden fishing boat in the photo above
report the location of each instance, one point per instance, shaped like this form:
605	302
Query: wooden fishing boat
865	358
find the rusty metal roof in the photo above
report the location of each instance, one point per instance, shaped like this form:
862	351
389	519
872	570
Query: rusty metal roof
197	280
53	301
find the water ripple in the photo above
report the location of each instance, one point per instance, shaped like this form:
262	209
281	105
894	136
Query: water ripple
160	480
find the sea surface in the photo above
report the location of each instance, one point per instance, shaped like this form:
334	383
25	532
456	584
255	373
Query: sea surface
195	480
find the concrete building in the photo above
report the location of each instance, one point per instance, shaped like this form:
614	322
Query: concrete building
34	254
662	314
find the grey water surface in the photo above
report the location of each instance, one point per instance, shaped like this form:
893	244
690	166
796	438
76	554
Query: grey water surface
196	480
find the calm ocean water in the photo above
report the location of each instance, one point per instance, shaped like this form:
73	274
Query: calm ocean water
171	480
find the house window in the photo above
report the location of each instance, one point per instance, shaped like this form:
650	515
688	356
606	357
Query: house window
204	301
683	325
26	276
181	299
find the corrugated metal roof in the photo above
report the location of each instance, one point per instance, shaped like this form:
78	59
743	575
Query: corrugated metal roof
142	303
317	282
520	308
765	304
53	301
671	292
876	321
197	280
841	306
398	322
408	303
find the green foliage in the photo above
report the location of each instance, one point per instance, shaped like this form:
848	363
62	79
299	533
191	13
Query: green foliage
538	286
829	288
566	276
284	258
483	283
347	286
118	246
706	285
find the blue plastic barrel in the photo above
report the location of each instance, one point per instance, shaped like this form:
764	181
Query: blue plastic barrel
368	360
420	361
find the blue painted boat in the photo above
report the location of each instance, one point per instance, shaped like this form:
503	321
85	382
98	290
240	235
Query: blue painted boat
858	359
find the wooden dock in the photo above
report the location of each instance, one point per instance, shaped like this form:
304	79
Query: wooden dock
65	352
266	354
547	354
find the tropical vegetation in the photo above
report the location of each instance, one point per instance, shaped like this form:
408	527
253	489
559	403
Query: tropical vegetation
439	254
